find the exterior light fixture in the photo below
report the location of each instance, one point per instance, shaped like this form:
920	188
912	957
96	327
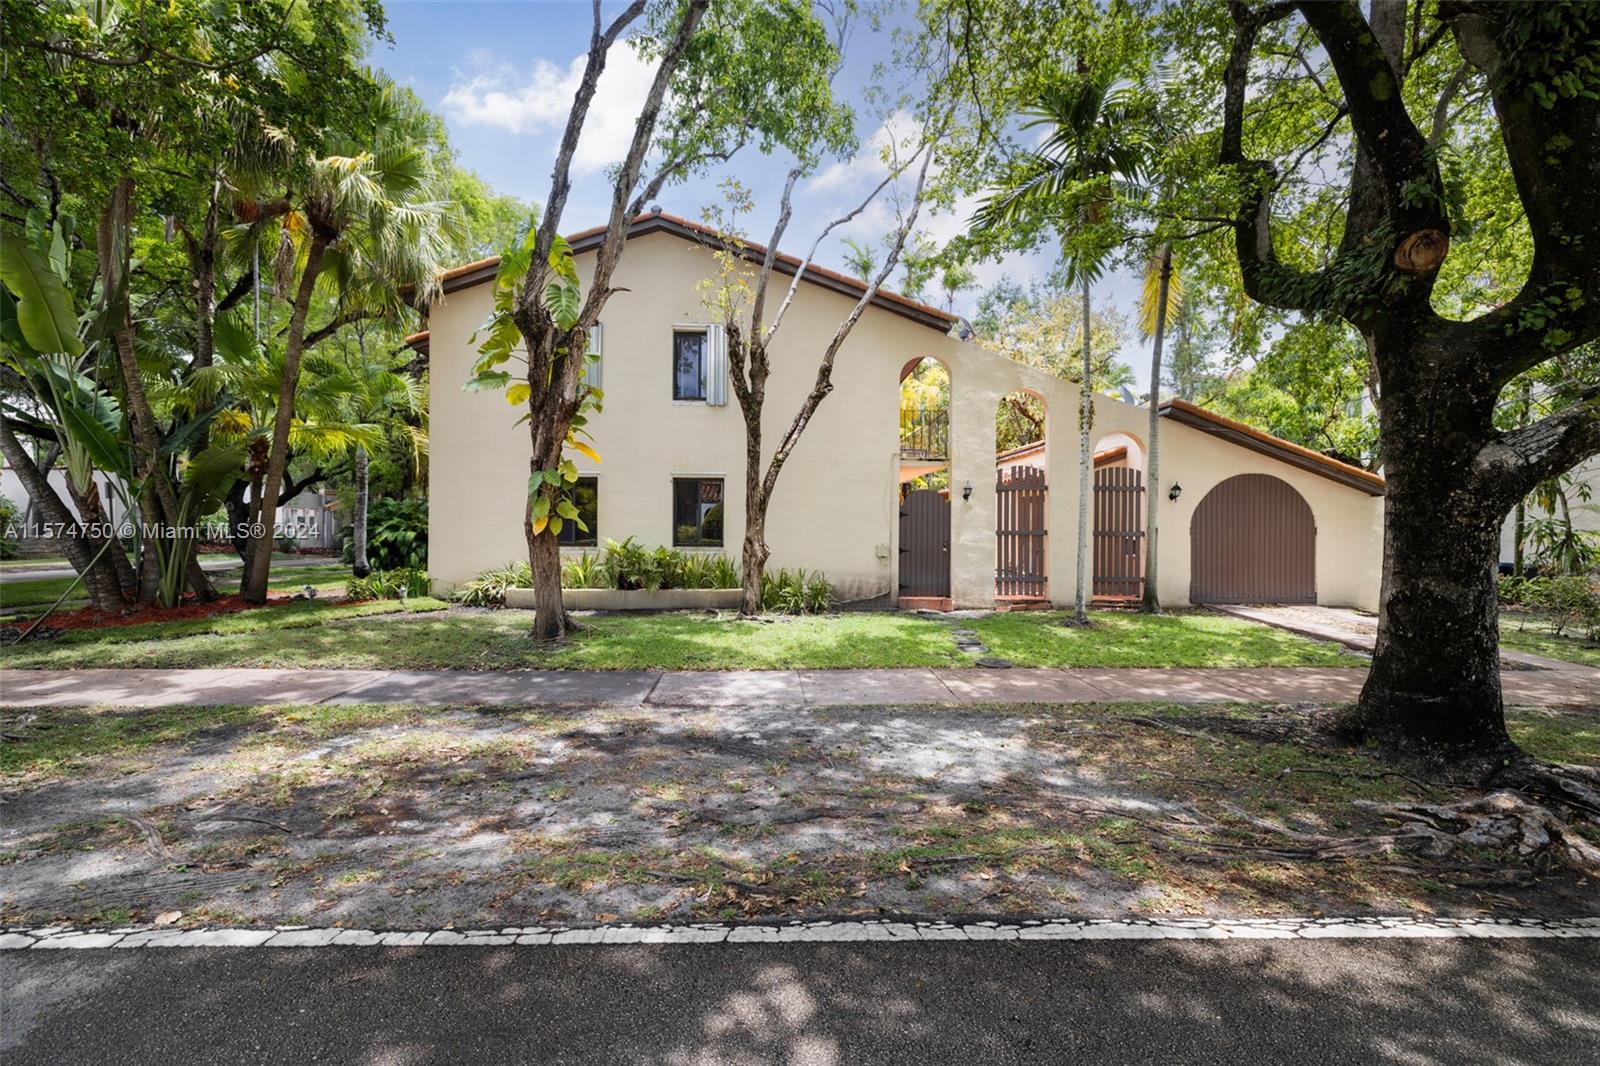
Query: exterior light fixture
966	491
1175	492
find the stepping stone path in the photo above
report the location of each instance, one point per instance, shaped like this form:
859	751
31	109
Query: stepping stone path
967	641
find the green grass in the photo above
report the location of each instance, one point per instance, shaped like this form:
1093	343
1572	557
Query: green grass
1533	634
1560	736
333	635
1115	639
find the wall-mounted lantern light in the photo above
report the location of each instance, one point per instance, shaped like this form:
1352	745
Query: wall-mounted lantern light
1175	492
966	491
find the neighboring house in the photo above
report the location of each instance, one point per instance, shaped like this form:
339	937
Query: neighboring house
1246	517
1585	515
311	518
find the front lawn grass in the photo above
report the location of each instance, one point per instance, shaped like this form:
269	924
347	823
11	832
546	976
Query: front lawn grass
425	637
1175	639
1536	635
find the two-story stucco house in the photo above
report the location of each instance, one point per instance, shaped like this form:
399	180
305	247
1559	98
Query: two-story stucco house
1244	517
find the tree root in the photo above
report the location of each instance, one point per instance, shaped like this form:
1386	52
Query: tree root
1502	819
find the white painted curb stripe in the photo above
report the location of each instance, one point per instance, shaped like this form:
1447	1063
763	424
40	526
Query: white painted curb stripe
53	937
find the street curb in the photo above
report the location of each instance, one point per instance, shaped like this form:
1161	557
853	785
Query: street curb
819	932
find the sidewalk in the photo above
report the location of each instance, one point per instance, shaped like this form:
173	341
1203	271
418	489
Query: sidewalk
1572	686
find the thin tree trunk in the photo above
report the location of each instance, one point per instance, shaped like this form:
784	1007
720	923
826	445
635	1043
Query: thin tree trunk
99	578
358	525
753	561
1080	607
259	566
1152	481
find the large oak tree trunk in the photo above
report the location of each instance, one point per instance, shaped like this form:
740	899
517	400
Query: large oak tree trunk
1434	686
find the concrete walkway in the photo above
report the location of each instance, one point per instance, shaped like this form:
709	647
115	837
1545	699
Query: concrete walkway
1574	686
1358	631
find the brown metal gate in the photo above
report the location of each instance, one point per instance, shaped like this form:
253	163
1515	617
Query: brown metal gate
1253	540
924	544
1019	564
1118	533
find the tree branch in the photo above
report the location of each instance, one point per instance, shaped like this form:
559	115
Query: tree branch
1508	468
1266	280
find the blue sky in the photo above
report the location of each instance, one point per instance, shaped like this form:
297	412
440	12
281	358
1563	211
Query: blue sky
502	76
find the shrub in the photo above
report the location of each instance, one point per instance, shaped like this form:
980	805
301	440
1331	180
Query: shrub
389	585
397	535
1574	603
1569	602
796	592
488	589
10	528
583	571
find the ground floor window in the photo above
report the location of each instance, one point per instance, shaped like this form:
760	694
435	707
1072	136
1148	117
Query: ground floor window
586	495
697	511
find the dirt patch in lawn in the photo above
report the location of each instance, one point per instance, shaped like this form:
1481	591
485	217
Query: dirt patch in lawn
405	817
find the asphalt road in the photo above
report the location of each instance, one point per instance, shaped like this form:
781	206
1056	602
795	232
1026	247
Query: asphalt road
1394	1001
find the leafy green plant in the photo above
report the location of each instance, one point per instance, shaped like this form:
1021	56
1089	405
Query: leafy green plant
582	571
489	588
10	528
389	585
1574	603
397	534
796	592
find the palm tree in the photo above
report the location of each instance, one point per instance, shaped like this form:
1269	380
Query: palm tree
1162	298
1091	155
370	224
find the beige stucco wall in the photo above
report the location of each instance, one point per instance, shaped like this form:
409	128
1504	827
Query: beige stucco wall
836	505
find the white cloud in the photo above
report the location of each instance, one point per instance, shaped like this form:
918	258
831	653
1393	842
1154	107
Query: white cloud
869	164
539	100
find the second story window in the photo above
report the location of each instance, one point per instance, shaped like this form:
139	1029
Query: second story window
688	365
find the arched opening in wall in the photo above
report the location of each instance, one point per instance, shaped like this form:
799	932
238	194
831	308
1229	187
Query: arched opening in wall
1020	509
1253	539
1117	553
924	464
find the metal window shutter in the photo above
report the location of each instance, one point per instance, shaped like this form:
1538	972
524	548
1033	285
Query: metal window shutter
591	367
716	366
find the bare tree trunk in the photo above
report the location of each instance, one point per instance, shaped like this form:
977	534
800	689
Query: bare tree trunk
1152	481
99	578
1080	606
259	566
753	561
358	525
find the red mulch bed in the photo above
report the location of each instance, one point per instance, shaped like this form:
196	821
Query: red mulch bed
94	618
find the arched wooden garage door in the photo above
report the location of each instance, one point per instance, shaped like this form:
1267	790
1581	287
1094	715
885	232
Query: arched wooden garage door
1253	540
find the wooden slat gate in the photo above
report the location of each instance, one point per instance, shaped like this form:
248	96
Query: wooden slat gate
1019	566
1119	533
924	544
